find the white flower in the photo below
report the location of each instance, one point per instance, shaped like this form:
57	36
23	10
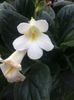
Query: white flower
11	67
33	39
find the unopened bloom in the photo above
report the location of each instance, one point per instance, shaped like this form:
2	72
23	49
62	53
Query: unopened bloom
33	39
11	67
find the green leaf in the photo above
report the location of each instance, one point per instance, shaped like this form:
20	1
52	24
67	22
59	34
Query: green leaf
65	19
65	86
70	36
69	39
50	11
58	5
9	19
68	43
7	6
37	85
25	7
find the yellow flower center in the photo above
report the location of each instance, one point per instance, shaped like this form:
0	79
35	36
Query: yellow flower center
9	71
33	33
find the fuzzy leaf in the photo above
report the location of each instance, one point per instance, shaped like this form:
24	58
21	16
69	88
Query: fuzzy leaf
66	21
9	19
37	85
69	40
60	4
7	6
25	7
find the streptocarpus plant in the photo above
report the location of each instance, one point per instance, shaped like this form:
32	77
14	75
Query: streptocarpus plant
51	77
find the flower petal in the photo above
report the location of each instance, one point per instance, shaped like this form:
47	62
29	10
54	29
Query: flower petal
21	43
13	64
34	52
42	25
45	43
15	77
3	68
1	60
22	27
11	74
17	56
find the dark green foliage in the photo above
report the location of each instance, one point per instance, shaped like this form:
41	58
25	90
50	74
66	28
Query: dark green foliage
66	21
52	77
37	85
9	19
58	5
25	7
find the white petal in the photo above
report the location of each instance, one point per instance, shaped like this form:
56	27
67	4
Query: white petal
12	63
17	56
15	77
12	76
3	68
22	27
6	69
21	43
42	25
34	52
1	60
45	43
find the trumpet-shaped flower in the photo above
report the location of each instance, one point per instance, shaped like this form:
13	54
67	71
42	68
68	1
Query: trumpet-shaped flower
33	39
11	67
